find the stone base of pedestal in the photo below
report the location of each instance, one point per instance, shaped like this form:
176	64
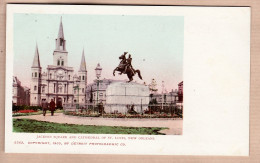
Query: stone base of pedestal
121	96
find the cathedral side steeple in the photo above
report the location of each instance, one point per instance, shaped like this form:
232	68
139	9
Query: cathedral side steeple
82	73
36	79
82	67
36	60
83	70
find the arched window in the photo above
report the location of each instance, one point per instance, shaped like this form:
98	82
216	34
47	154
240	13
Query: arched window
82	90
62	63
83	77
35	74
69	77
50	76
79	77
61	41
35	87
58	62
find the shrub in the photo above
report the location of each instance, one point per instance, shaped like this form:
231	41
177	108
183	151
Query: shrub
120	115
25	107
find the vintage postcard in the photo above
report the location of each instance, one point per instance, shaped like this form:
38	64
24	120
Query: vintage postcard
109	80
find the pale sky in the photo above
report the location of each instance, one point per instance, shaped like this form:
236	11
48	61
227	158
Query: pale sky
154	42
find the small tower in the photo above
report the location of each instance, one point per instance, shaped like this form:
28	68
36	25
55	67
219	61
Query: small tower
82	73
60	54
36	69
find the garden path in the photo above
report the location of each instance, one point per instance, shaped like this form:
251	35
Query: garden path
175	126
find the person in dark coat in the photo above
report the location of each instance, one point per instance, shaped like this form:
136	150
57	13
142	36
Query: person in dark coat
52	107
44	106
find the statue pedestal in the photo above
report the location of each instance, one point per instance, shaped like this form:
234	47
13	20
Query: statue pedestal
121	96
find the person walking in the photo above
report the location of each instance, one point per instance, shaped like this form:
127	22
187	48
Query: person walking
52	107
44	106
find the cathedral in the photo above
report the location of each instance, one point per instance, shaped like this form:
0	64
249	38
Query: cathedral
58	82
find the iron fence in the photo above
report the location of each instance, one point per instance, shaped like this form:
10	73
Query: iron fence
125	108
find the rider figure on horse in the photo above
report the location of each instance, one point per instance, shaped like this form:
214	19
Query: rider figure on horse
125	67
129	64
123	61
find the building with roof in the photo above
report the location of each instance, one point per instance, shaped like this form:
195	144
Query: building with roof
59	81
21	95
165	98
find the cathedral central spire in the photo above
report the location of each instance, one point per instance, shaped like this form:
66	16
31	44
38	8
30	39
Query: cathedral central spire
60	41
61	34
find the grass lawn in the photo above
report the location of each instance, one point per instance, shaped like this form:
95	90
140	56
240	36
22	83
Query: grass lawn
33	126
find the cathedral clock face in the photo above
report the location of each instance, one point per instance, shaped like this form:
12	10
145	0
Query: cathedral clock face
60	72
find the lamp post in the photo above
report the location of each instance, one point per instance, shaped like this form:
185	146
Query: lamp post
98	70
77	88
171	103
162	93
142	106
175	102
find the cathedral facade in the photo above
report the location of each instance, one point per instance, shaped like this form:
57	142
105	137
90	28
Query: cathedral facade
59	82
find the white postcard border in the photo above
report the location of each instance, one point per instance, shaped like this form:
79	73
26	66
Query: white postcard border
215	69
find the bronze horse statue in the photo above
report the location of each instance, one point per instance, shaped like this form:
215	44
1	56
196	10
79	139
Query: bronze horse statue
125	67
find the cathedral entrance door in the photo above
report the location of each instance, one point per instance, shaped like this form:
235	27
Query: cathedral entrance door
59	103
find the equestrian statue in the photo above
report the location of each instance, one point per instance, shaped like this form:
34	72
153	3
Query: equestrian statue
125	67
